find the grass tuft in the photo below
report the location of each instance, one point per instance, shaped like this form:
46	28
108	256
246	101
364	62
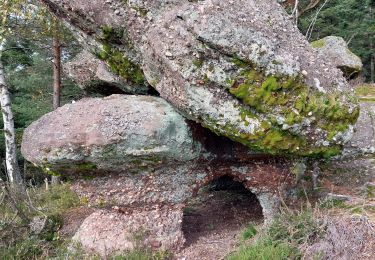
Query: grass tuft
283	237
249	232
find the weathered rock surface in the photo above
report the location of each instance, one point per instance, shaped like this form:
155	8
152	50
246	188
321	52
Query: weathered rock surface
334	49
111	231
363	140
111	134
93	76
240	68
138	158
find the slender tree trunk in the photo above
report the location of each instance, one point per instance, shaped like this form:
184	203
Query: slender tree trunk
56	71
372	63
12	167
372	57
56	82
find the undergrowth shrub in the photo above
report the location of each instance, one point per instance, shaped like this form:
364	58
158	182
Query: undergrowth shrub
18	209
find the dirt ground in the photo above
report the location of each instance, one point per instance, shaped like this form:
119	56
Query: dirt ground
214	220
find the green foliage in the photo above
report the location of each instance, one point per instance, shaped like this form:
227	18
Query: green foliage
27	249
17	241
263	249
249	232
56	200
351	19
296	227
18	54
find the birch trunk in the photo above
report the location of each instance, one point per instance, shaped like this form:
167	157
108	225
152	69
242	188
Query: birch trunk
55	180
13	170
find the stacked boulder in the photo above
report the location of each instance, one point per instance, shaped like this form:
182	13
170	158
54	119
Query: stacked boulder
335	50
138	158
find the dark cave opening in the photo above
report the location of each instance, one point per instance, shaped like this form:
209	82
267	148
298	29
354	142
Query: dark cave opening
221	208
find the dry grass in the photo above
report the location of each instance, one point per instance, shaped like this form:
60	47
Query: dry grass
366	92
347	237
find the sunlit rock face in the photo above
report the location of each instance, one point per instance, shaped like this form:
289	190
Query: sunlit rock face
239	68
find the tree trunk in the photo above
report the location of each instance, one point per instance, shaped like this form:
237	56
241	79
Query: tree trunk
56	83
56	71
372	63
372	57
13	170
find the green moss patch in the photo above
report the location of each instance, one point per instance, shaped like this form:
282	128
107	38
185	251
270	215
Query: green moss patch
318	44
264	97
119	63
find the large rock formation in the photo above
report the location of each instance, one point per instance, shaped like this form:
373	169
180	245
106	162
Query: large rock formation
240	68
335	50
137	158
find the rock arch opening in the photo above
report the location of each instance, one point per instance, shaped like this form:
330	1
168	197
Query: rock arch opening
219	212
